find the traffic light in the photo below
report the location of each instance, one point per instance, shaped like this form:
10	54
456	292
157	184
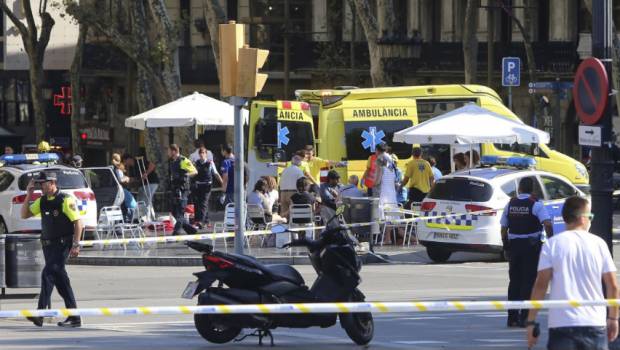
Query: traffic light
232	38
239	64
84	136
249	81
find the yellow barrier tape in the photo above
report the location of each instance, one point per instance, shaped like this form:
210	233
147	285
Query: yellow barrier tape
383	307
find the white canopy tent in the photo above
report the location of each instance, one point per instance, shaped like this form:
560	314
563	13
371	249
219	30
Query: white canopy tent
470	125
191	110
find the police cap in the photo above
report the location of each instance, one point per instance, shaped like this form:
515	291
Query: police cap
45	176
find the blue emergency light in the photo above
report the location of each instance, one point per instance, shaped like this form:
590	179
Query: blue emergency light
14	159
517	162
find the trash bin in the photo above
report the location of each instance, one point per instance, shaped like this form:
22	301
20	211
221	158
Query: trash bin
2	265
24	260
362	209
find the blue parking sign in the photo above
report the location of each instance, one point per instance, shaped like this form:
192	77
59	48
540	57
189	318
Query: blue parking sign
511	71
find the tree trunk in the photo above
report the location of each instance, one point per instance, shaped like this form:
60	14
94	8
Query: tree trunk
154	150
378	70
76	95
470	41
37	76
214	15
529	53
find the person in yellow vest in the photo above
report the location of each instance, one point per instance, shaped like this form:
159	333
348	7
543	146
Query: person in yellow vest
419	178
61	230
315	164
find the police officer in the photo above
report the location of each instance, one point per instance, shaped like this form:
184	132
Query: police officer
180	169
201	186
522	223
61	230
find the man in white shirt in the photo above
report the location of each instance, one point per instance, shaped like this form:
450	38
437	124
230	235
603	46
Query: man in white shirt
288	184
574	262
195	156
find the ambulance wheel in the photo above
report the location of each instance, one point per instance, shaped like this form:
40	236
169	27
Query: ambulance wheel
438	255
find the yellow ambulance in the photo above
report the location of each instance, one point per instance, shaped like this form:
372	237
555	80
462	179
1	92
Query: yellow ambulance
342	115
348	123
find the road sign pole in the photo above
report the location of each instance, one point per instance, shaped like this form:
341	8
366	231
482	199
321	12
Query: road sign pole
238	103
602	164
510	98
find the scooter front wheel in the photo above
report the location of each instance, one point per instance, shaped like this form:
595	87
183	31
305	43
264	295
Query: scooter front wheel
360	327
213	332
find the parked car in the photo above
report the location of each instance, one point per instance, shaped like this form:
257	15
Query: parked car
486	190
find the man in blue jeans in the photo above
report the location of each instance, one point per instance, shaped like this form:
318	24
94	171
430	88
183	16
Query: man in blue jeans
575	262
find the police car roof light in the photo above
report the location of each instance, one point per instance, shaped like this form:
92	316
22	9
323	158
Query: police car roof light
14	159
517	162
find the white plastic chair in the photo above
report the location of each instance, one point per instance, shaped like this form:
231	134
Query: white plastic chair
143	214
229	224
257	220
108	218
394	212
300	216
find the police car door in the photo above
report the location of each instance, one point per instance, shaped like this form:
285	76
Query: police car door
103	182
556	192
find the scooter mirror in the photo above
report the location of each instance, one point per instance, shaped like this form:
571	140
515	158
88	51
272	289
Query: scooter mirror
278	229
340	210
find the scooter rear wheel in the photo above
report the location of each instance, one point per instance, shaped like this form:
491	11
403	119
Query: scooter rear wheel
360	327
212	332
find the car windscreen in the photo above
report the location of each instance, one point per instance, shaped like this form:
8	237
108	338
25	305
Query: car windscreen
363	136
461	189
67	179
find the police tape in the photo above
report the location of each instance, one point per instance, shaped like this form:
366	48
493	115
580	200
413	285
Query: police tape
307	308
213	236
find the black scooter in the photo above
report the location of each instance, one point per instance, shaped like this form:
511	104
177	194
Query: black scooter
242	279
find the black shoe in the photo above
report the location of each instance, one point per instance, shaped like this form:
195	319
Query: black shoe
71	322
38	321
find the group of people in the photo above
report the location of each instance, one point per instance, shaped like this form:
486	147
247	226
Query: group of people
462	160
574	264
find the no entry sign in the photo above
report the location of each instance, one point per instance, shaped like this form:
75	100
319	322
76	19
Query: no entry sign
591	90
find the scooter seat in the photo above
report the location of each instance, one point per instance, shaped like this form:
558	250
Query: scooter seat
285	272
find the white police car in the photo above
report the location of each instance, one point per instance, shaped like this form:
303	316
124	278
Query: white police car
15	174
452	227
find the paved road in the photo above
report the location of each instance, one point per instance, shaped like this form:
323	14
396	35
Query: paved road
152	286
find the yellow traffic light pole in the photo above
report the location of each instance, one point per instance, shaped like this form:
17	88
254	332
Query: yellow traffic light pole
239	80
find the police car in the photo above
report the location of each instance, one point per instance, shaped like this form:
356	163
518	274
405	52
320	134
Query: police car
464	208
17	170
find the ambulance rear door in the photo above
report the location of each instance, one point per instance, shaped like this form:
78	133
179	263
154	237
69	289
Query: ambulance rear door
277	130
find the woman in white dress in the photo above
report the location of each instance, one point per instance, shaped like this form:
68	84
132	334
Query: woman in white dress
386	178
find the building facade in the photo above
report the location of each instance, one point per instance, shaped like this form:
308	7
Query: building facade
313	44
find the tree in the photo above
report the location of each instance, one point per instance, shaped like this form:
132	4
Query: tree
379	73
470	41
214	16
35	43
149	40
527	43
76	92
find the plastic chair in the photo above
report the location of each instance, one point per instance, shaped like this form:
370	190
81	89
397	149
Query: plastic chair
143	214
257	220
394	212
301	215
229	224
